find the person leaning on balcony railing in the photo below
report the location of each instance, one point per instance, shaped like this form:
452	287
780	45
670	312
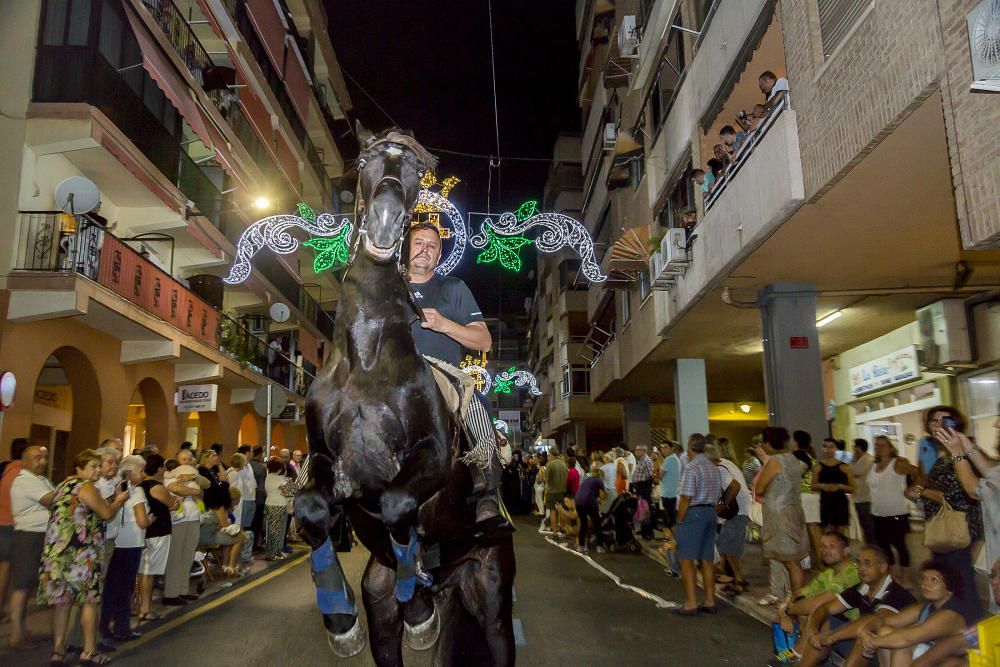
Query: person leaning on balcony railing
733	140
722	155
704	179
774	87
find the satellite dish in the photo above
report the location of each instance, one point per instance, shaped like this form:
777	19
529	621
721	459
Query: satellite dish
279	312
77	195
347	196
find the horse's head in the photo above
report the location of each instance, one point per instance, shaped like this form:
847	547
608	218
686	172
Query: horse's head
390	167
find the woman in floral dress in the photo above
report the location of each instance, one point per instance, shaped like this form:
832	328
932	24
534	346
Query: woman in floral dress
71	559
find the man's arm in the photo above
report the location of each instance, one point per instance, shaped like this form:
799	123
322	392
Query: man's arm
474	335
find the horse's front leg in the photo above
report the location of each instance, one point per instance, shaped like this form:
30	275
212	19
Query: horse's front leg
486	590
384	617
334	596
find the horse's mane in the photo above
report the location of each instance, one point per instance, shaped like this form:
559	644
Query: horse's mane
405	138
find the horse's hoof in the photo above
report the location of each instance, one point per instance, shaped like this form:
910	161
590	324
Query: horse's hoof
350	643
422	636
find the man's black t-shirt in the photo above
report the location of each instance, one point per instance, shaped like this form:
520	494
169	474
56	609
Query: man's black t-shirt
891	596
453	299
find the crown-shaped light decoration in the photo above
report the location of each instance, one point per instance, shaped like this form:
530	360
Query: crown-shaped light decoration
476	367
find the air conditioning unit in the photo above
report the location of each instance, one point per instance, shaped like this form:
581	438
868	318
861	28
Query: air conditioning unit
944	334
673	248
610	136
628	36
257	324
984	45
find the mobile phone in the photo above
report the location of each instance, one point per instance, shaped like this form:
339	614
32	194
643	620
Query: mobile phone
123	486
949	423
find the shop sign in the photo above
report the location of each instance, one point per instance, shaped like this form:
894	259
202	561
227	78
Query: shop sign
886	371
196	398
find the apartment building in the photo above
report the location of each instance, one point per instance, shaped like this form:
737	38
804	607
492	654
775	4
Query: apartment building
143	136
864	193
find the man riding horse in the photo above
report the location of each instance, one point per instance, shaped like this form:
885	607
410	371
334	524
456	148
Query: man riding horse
451	321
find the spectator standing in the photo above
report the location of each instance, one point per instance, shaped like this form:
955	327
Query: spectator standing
154	556
587	502
608	476
10	472
72	555
943	485
31	496
775	88
780	484
185	483
129	527
751	466
842	454
642	484
887	482
733	533
259	474
705	179
539	487
572	476
275	509
241	478
556	474
805	452
670	483
296	462
980	479
700	489
733	140
833	480
860	469
629	461
621	471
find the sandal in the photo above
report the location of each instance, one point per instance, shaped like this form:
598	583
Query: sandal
94	658
57	660
149	616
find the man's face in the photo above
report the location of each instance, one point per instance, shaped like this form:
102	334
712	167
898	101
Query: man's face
831	551
297	456
109	466
729	139
858	453
35	459
766	84
640	451
425	249
699	178
719	151
870	568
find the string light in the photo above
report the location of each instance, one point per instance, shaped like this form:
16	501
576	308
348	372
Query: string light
503	249
519	378
483	380
501	426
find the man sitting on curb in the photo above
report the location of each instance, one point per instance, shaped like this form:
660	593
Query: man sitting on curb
841	574
877	594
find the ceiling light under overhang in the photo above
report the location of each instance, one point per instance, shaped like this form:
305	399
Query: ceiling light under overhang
829	318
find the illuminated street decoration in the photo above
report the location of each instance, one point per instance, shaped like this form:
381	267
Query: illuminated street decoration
476	367
503	249
518	378
559	231
330	252
501	426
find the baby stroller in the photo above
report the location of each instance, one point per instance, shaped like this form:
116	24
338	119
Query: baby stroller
618	527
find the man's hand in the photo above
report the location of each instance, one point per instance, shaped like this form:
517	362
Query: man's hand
435	321
820	640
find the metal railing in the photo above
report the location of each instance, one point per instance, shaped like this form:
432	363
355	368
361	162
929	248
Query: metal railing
746	150
176	28
269	359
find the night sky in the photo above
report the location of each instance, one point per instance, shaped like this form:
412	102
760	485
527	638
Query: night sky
427	64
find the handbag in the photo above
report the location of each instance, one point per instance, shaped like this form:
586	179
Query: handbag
641	511
947	530
726	510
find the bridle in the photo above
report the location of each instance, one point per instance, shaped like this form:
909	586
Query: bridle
361	206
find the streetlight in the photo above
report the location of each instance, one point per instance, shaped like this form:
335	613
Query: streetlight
262	203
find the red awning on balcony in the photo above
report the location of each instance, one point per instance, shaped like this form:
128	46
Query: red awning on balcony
176	90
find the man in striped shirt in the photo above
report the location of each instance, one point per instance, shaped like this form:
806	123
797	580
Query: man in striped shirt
642	485
701	487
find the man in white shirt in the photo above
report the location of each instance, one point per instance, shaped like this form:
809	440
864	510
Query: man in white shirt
775	88
31	497
629	461
860	467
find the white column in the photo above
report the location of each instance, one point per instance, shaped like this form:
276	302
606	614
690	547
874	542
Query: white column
690	398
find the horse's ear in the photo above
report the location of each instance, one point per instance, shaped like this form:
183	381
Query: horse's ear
365	137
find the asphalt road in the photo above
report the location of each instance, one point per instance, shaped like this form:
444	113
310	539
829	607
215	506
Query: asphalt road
568	612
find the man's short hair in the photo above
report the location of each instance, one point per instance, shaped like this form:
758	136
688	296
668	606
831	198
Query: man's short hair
861	444
841	445
767	75
244	449
17	447
697	172
187	445
878	552
420	226
712	452
726	130
217	448
153	463
258	450
802	438
107	442
696	443
845	542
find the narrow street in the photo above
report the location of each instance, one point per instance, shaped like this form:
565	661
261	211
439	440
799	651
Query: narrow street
564	610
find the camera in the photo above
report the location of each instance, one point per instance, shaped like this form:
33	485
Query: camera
949	423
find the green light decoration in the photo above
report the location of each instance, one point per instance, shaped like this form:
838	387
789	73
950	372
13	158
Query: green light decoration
330	252
526	210
306	212
503	386
503	249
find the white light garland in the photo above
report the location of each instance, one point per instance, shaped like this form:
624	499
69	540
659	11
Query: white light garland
560	231
272	232
520	378
474	370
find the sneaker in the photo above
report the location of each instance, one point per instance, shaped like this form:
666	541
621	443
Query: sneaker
671	573
768	600
581	550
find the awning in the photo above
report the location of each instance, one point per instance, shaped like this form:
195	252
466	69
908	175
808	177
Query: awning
176	89
626	145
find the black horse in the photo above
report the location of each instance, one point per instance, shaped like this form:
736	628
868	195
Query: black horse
385	447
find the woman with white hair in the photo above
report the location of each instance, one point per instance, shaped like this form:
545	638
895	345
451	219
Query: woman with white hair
129	531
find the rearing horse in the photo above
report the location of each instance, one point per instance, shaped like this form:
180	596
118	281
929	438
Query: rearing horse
385	447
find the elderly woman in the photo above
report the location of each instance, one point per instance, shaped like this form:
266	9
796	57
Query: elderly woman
129	528
72	556
275	508
784	534
241	478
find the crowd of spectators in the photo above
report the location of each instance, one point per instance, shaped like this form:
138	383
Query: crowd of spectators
101	540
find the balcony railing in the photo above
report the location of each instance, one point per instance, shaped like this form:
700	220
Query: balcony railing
176	28
746	150
53	241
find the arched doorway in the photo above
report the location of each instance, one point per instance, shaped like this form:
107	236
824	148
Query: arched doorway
278	437
66	409
249	434
146	422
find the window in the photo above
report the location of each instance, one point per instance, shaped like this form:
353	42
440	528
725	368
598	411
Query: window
567	383
836	18
678	210
644	286
626	306
638	170
580	380
59	31
668	77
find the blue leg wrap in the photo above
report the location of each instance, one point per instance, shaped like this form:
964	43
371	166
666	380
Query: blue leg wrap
331	589
406	567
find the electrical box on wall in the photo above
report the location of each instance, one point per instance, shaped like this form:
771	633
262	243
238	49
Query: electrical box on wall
944	334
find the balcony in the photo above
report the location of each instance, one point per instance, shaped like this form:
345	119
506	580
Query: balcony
72	266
